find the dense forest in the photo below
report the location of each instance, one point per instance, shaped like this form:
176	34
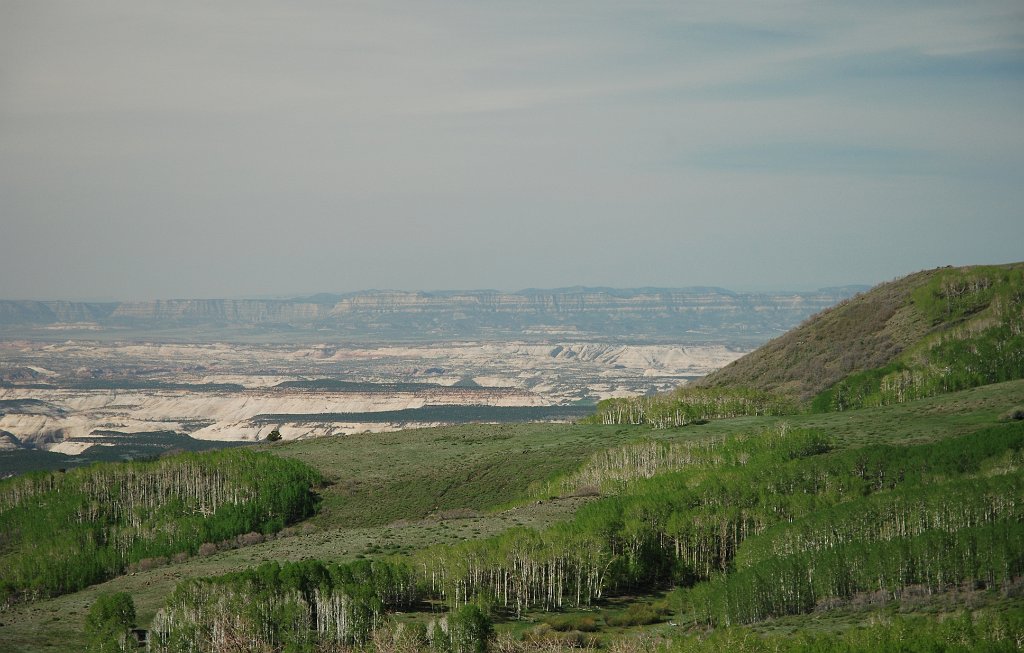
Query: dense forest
62	531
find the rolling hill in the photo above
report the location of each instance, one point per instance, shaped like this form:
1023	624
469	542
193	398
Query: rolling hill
925	334
865	332
925	328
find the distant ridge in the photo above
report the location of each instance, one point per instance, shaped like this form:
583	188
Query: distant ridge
929	332
691	315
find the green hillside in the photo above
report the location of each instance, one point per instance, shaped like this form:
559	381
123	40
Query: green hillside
930	332
862	333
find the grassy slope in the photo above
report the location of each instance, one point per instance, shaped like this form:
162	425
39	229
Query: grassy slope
383	478
863	333
398	479
378	478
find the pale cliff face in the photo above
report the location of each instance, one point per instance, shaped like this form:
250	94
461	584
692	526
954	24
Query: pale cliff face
218	391
567	302
81	412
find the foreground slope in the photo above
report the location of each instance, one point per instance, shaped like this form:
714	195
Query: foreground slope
383	488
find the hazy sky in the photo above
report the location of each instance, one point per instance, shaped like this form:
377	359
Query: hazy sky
250	148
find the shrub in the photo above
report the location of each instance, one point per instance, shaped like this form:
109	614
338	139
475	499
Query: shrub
638	614
250	538
581	622
470	630
109	622
207	549
152	563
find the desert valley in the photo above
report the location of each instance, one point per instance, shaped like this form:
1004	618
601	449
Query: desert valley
74	376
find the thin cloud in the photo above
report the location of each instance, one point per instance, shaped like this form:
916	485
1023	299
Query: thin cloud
824	159
177	150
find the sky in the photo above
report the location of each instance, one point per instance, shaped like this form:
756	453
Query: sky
244	148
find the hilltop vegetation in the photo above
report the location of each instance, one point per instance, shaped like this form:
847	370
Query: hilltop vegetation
976	317
925	334
930	332
864	332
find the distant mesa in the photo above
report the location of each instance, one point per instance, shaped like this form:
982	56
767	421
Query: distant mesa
693	315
